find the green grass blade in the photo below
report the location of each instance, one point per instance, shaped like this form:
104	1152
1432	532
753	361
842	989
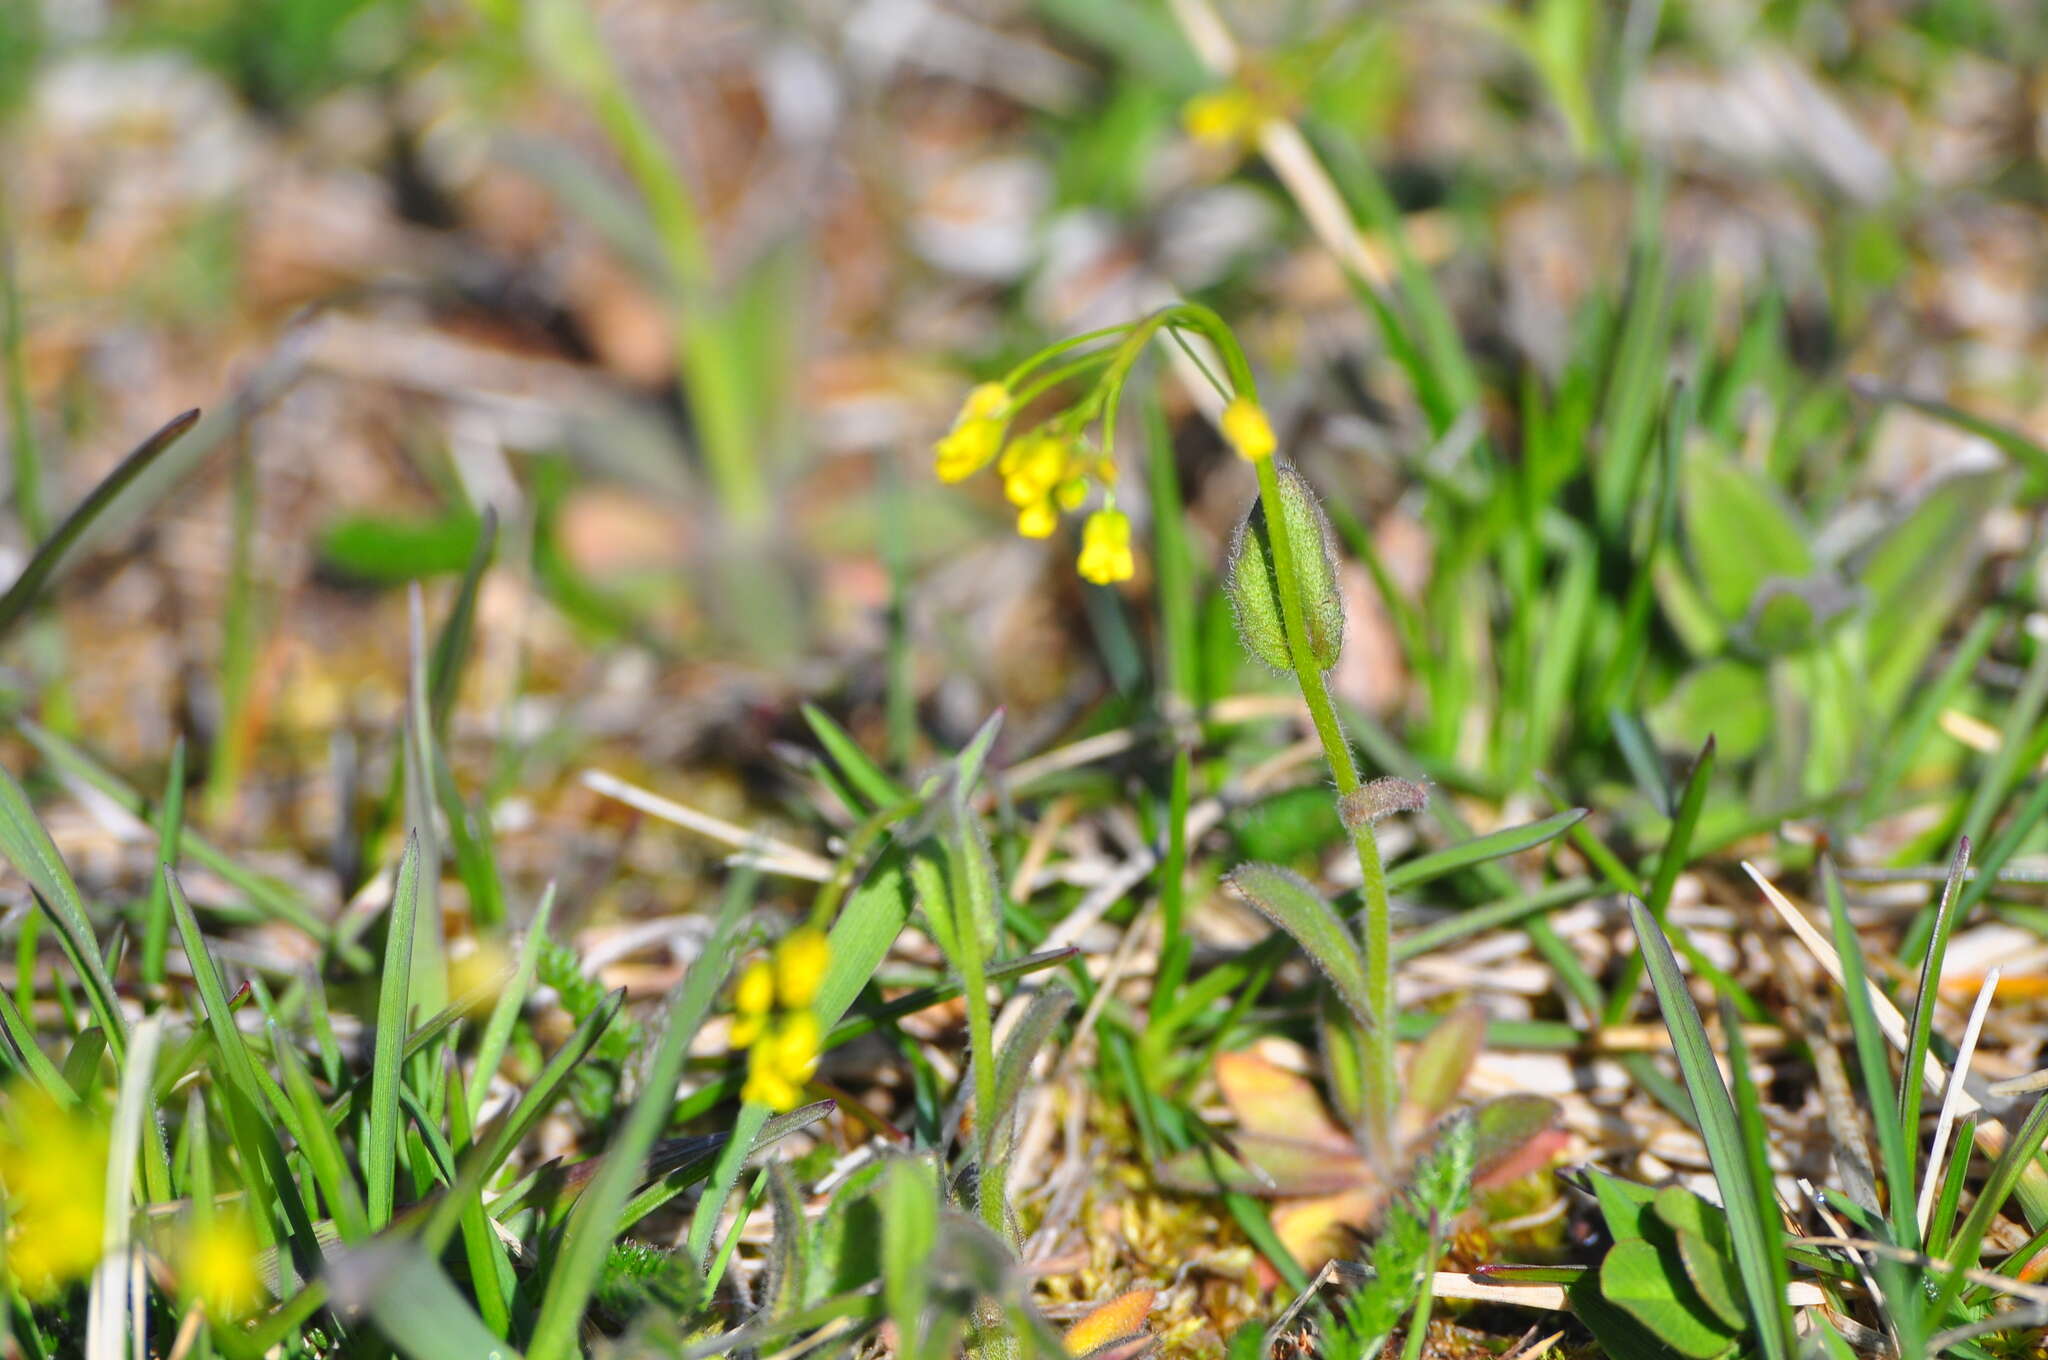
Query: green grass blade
870	779
1874	1061
28	848
1510	840
1967	1246
458	631
490	1051
156	921
588	1237
380	1149
1759	1241
1920	1026
1670	860
42	567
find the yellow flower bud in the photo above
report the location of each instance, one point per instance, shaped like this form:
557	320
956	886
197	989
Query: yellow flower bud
967	449
1038	520
1106	548
1071	493
796	1046
1032	466
987	401
1249	432
755	993
800	962
1225	119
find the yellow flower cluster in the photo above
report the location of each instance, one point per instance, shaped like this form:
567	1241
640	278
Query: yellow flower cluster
1045	473
774	1021
53	1169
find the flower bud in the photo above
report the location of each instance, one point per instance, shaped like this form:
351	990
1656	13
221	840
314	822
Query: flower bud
1246	427
1381	798
1251	579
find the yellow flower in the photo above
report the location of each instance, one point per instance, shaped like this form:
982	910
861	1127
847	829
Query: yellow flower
1038	520
977	433
800	962
1032	466
781	1061
217	1266
753	996
53	1168
1106	548
1246	427
1226	118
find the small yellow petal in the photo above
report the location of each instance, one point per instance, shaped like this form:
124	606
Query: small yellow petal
1246	427
755	993
1106	548
1038	520
800	962
1225	118
985	401
796	1046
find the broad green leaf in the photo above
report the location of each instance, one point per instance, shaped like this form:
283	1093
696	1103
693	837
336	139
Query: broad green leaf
868	925
1647	1284
1623	1204
1286	899
1739	531
1437	1069
1728	700
1702	1234
1914	575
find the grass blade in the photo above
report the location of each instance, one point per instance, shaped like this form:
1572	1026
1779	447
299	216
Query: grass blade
28	848
1509	840
42	568
380	1151
156	921
587	1238
1920	1027
1759	1242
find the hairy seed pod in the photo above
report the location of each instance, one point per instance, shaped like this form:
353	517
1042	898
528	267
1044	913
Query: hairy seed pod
1254	589
1381	798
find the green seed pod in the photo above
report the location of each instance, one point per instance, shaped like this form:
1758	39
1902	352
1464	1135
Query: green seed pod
1254	589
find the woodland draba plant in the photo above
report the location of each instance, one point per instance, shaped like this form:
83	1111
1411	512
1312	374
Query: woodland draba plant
1283	588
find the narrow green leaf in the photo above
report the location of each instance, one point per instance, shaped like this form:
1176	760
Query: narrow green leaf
909	1204
380	1151
1920	1026
30	850
1758	1242
1509	840
587	1238
156	921
873	782
1289	902
490	1051
49	557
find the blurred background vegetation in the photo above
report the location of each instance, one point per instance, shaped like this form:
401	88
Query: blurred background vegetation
1670	370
